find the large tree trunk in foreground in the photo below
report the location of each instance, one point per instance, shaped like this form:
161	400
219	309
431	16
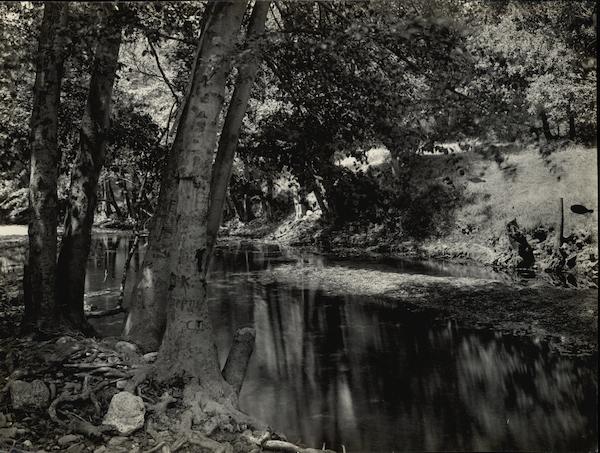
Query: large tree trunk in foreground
188	346
41	310
75	245
230	134
146	318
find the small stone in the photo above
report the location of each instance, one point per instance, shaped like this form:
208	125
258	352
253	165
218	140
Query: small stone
150	357
121	384
125	347
125	413
8	433
33	395
68	439
76	448
115	441
28	444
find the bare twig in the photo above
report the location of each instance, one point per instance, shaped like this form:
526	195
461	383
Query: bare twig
160	68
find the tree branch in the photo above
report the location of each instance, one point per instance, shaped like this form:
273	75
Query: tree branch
162	72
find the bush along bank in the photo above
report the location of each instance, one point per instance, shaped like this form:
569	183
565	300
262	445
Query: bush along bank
504	213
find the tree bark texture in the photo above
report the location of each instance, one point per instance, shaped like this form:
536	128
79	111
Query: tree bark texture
41	308
546	125
146	317
188	346
228	140
75	245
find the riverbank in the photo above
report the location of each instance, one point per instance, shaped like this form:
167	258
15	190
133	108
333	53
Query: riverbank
505	214
566	319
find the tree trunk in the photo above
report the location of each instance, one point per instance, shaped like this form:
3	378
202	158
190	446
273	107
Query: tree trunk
228	140
125	192
300	205
113	201
188	346
546	125
571	117
105	201
146	317
75	245
41	310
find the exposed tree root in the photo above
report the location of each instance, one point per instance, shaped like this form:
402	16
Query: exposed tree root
87	393
101	313
279	445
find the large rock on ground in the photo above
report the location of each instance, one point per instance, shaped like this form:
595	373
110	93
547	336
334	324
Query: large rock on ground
29	395
125	413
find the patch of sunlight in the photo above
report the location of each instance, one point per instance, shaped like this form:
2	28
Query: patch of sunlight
13	230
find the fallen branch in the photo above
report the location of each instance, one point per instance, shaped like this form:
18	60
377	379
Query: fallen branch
235	368
102	313
282	446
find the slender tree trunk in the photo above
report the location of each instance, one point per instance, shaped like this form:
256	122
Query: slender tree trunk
128	203
571	117
113	201
105	200
41	309
546	125
188	346
228	141
321	200
300	205
75	245
146	317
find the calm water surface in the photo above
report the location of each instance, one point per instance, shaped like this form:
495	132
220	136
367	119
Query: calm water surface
349	371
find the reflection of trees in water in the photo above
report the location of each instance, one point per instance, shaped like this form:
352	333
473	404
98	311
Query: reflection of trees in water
538	402
376	378
343	372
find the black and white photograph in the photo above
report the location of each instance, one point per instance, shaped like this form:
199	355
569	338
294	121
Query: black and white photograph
298	226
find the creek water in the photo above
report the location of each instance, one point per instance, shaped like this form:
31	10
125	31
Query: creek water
350	371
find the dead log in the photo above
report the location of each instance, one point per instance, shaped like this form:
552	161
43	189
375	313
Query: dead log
236	365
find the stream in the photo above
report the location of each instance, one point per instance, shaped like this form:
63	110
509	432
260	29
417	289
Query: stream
347	371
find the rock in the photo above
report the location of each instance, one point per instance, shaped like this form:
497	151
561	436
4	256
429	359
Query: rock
125	347
76	448
115	441
68	439
125	413
150	357
28	444
29	395
8	433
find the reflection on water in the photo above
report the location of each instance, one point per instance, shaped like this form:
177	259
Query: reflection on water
348	371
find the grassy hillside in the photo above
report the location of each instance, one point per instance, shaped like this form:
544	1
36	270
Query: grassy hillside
521	185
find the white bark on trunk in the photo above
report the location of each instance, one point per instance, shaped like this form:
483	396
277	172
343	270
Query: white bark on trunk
188	346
